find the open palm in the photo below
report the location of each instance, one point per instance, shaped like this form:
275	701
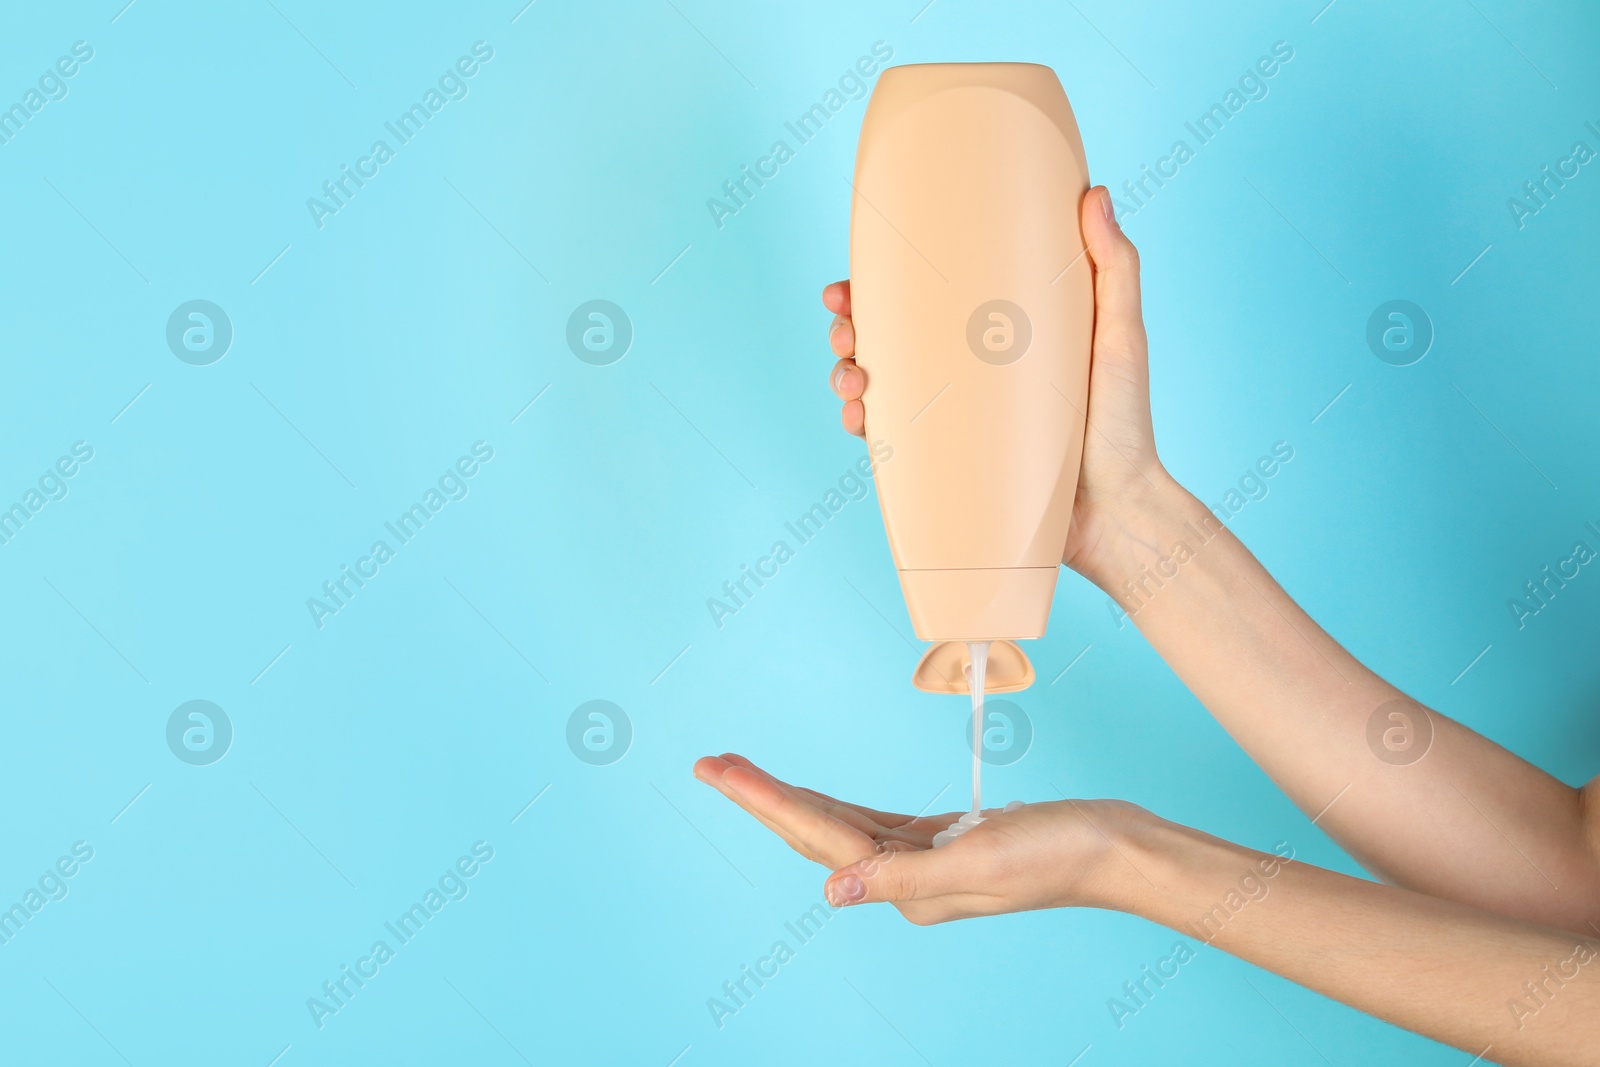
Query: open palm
1039	856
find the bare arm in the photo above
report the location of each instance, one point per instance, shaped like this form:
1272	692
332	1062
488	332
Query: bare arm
1468	821
1509	991
1500	988
1455	816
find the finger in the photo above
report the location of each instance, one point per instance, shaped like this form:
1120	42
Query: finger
852	815
853	417
808	795
897	875
1119	318
739	761
710	770
842	337
917	830
848	380
880	826
883	825
832	842
836	297
889	820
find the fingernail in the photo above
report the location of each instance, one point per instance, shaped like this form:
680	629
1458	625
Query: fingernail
1105	206
847	890
838	378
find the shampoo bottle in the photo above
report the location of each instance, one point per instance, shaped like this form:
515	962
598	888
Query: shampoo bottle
973	306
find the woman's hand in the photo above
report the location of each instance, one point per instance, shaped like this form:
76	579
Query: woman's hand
1429	965
1038	856
1119	451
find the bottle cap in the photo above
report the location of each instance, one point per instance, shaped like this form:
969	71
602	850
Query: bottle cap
943	668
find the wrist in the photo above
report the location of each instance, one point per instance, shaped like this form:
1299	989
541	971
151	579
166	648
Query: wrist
1134	849
1133	527
1190	881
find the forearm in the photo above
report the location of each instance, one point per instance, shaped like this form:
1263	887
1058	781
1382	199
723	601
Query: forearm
1468	821
1511	991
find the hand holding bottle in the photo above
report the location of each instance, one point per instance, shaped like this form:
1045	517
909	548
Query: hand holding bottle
1119	453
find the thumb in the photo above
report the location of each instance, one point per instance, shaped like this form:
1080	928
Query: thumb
895	875
1119	316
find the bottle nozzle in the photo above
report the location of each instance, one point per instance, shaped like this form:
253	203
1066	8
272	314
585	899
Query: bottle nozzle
943	668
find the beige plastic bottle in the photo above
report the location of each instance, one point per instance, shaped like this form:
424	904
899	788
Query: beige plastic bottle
973	306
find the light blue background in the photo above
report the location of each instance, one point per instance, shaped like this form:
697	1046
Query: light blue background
371	753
